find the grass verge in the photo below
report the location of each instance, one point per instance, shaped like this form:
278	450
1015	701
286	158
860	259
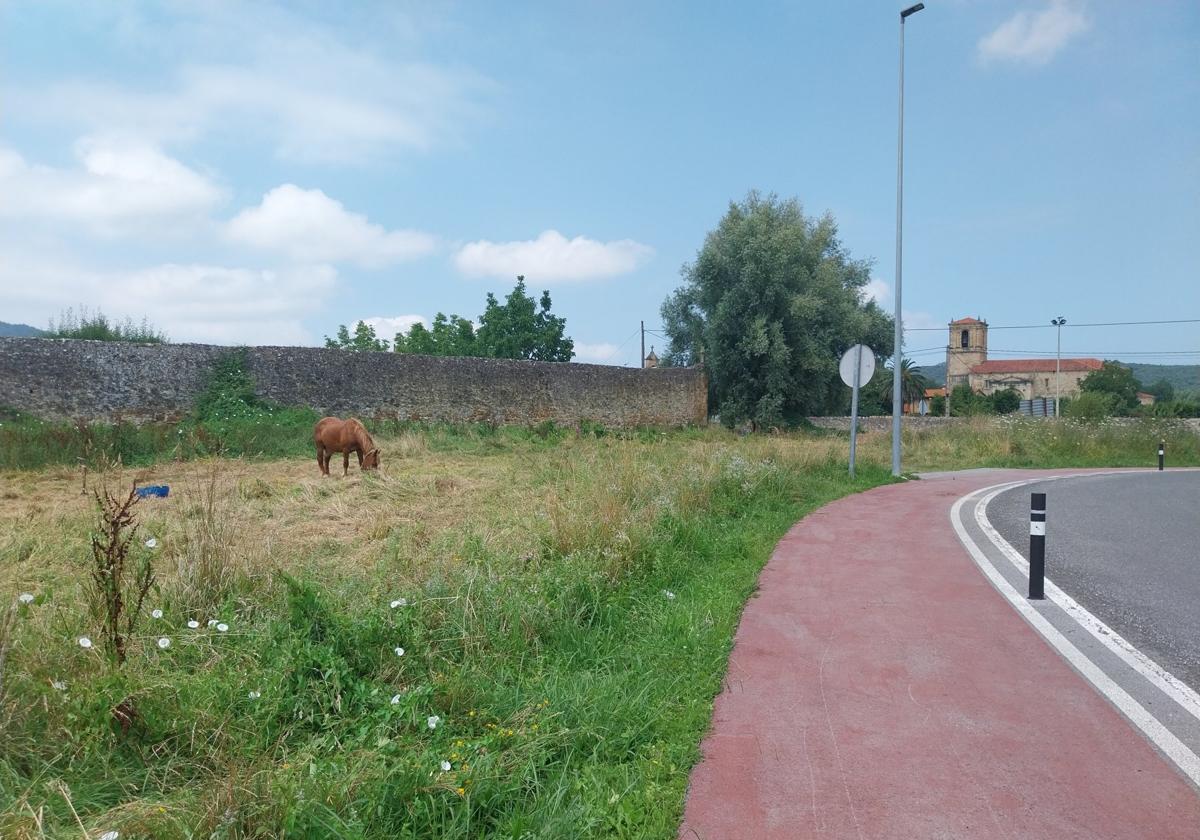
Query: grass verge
567	610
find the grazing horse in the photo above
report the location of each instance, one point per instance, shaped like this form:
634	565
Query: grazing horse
345	436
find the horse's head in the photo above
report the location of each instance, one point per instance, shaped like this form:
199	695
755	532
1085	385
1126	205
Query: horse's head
371	459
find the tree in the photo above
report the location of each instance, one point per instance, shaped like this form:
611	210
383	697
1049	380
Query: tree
771	302
912	382
967	402
453	336
363	340
1162	390
1115	379
1005	401
519	328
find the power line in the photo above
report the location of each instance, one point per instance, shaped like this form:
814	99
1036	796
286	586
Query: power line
1068	325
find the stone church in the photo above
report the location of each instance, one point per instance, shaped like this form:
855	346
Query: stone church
967	364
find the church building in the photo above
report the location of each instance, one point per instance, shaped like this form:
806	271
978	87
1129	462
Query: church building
967	364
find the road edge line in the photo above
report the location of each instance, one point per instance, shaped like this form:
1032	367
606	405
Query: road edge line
1125	650
1167	743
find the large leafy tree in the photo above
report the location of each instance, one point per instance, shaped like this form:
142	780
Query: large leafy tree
1114	379
520	327
770	303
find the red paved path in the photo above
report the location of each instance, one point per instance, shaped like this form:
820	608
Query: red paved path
879	687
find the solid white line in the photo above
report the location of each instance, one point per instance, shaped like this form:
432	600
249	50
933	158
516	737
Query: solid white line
1186	760
1164	680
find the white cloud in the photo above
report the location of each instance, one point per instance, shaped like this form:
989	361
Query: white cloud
283	81
551	257
387	328
119	187
204	303
877	291
1035	37
309	226
601	353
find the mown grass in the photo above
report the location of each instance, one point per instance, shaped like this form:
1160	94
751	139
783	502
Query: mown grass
571	602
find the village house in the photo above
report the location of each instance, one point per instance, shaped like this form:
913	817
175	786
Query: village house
967	364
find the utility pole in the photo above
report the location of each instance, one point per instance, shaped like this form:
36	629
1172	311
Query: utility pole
1057	322
642	363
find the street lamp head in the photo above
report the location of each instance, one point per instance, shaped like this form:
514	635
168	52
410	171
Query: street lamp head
1058	322
911	10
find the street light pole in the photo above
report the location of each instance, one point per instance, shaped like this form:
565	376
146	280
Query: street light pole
1057	322
897	404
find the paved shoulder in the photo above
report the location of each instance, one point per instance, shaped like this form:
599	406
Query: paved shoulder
880	687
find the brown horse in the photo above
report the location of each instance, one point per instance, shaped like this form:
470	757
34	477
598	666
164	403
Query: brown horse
345	436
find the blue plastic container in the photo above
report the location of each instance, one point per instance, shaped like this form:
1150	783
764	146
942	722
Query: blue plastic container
158	490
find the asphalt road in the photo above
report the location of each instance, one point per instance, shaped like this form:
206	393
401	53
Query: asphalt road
1126	547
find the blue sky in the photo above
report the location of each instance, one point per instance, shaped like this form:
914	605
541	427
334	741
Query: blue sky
261	173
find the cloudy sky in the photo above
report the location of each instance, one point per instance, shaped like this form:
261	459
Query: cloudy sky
261	173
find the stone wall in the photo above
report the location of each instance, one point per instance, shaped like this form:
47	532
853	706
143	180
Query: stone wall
884	424
96	380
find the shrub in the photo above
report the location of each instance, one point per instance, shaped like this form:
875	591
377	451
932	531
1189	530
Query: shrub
1006	401
1091	405
117	583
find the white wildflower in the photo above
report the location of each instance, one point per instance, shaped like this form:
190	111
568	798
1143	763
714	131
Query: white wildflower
58	685
109	835
156	613
152	543
399	651
25	597
222	627
164	643
193	624
212	622
445	766
85	642
432	721
395	699
254	695
668	594
400	602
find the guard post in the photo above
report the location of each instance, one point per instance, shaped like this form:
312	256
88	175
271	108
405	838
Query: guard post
1162	448
1037	546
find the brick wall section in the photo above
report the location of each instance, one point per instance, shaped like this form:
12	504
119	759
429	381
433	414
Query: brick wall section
96	380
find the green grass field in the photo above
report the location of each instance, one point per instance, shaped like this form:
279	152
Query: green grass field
569	604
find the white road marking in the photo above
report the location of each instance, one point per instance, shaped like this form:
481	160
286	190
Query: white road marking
1186	760
1164	680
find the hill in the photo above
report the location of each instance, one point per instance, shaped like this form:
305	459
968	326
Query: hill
1182	377
8	330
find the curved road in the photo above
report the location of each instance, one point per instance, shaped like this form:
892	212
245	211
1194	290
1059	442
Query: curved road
1127	547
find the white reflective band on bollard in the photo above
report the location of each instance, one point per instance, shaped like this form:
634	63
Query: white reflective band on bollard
1037	529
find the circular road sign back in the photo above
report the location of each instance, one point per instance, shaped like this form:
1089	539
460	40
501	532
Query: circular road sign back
866	368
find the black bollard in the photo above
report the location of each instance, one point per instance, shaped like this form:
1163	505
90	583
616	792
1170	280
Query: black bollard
1162	448
1037	546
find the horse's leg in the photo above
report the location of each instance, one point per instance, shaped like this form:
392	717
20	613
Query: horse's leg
346	463
322	463
360	458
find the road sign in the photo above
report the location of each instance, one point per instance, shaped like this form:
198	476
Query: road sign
866	366
857	367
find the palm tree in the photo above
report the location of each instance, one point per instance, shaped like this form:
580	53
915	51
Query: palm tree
912	382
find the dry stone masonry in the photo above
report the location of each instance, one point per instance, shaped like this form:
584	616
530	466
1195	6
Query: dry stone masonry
109	381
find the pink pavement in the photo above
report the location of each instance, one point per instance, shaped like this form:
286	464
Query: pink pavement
880	687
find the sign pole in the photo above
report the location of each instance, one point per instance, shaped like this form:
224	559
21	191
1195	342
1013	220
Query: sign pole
854	405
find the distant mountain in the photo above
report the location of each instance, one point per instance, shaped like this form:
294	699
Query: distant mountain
1182	377
8	330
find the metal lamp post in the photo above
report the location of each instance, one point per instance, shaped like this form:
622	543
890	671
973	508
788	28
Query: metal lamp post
1057	322
897	404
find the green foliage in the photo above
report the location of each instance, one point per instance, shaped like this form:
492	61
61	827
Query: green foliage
453	336
937	406
1162	390
1091	405
518	328
771	301
1182	378
1005	401
120	574
1114	379
97	327
966	402
362	341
